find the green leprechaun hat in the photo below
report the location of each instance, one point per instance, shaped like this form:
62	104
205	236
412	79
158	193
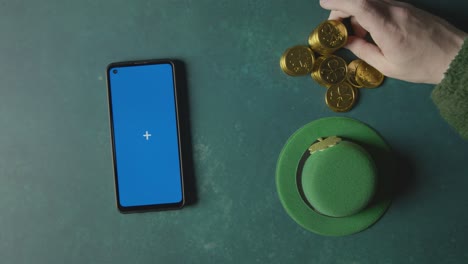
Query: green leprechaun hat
334	176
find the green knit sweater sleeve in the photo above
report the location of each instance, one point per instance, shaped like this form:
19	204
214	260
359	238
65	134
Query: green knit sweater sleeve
451	95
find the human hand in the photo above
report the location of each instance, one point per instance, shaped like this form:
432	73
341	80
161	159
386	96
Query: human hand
412	45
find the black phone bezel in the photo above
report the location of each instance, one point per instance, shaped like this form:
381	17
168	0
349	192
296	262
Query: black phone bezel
152	207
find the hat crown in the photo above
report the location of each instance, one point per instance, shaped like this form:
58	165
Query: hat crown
340	180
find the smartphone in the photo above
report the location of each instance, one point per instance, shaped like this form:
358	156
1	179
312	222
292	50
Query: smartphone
145	134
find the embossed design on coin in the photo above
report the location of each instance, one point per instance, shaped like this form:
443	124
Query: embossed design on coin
333	70
330	36
368	76
341	97
329	70
298	60
352	66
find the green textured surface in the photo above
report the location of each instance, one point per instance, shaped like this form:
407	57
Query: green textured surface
340	180
56	185
288	167
451	95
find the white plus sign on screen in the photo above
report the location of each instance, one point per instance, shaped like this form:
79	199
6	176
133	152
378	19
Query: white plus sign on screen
147	135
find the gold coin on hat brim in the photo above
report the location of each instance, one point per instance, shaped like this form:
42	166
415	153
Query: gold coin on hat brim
368	76
341	97
297	61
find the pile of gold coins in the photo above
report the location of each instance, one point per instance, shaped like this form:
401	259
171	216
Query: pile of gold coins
342	80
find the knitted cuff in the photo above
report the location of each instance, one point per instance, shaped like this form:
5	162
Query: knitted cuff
451	95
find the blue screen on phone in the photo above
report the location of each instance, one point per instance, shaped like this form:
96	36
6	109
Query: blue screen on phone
145	134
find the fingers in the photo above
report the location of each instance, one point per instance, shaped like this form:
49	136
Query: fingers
367	12
337	15
357	28
352	7
368	52
366	16
359	31
397	3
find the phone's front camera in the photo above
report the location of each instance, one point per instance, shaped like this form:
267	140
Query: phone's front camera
114	71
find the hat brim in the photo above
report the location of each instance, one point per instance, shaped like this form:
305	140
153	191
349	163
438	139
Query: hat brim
288	164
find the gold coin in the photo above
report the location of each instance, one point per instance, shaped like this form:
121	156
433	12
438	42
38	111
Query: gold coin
368	76
341	97
328	37
352	73
297	61
316	72
329	70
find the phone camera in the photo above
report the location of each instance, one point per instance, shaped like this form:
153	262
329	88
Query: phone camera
114	71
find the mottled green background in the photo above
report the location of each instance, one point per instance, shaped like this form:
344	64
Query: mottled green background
57	199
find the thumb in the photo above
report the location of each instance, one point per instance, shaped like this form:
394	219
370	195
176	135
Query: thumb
368	13
368	52
352	7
